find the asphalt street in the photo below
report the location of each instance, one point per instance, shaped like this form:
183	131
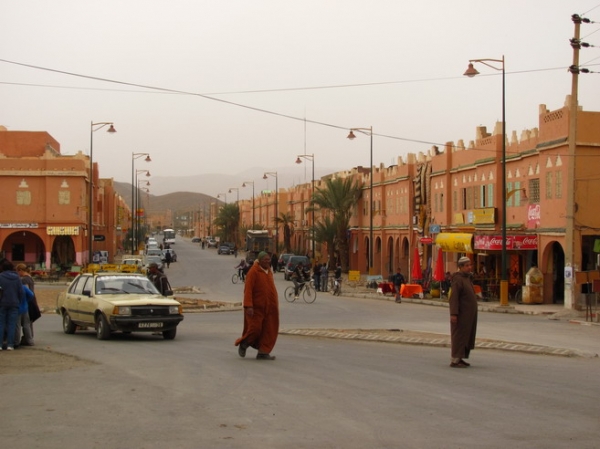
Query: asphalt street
142	391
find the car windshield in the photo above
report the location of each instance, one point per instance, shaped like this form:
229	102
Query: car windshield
117	285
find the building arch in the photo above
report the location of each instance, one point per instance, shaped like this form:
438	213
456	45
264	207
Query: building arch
553	269
24	247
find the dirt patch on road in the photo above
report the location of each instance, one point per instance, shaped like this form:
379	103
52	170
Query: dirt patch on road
38	360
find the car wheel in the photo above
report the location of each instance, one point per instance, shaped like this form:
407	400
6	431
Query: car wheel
68	326
102	328
170	334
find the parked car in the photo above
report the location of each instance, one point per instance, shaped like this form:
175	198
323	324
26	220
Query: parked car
153	259
110	302
196	239
224	249
211	243
154	252
283	259
292	263
173	254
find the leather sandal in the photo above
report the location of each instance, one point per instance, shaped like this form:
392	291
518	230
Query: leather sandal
462	362
261	356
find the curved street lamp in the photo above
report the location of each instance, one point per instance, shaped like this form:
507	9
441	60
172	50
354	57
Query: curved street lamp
310	157
369	132
471	72
93	128
244	185
136	227
266	176
135	156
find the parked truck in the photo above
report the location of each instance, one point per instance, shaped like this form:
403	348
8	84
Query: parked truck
257	241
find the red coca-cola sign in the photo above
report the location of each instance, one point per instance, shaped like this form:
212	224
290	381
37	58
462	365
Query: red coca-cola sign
494	242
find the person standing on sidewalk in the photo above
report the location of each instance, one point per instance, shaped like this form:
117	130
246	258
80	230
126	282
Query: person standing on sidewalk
12	296
463	314
261	310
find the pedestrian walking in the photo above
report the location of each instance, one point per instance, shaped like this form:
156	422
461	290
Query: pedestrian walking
261	310
12	296
463	314
159	279
168	258
398	281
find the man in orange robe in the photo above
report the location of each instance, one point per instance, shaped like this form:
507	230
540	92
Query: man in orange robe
261	310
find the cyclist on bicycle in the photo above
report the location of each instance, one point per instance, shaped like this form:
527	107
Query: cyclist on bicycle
243	268
298	278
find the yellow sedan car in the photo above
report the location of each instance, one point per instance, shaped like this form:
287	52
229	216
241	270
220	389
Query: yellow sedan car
111	302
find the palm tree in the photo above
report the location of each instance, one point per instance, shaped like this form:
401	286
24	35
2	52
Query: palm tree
326	232
339	196
228	220
286	220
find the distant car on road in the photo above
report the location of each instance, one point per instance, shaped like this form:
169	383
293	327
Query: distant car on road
283	260
196	239
110	302
224	249
153	259
212	243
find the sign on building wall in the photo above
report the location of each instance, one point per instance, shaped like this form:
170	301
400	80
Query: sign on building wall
494	242
62	230
19	226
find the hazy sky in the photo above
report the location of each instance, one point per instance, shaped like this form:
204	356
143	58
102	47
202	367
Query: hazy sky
236	84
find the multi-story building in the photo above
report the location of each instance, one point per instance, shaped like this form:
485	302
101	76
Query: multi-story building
44	214
452	197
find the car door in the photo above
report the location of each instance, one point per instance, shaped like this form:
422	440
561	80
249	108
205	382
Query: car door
87	301
73	297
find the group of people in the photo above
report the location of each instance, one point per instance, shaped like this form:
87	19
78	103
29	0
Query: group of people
18	306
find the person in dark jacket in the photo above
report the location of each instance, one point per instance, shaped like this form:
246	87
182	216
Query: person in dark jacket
11	297
463	314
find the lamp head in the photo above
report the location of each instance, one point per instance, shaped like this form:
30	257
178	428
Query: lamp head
265	176
111	129
298	160
148	159
244	185
471	71
351	135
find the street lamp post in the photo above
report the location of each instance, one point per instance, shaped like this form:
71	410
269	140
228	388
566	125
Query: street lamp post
244	185
224	195
237	193
94	127
369	132
310	157
136	205
471	72
135	156
265	176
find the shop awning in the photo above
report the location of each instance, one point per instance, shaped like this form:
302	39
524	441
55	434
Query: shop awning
451	242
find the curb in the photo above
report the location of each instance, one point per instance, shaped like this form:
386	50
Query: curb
443	341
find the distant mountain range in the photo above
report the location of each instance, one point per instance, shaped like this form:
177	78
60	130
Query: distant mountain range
194	192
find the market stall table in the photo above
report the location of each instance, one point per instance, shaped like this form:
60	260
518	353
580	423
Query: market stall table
410	290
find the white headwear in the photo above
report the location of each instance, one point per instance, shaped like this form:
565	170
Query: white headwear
463	260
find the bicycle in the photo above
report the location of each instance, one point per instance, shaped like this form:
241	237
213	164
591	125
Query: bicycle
309	294
236	278
336	290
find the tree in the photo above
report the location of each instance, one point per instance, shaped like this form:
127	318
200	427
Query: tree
338	197
326	232
286	220
228	220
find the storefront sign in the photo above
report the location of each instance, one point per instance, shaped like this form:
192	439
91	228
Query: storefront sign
426	240
18	226
62	230
455	242
485	215
494	242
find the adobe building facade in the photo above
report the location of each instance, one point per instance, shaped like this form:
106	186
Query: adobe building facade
44	213
451	198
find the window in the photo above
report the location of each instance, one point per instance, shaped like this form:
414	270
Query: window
533	192
549	185
490	193
558	184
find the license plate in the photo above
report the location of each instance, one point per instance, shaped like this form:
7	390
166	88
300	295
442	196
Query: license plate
151	325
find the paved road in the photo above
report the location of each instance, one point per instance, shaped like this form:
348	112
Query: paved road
142	391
